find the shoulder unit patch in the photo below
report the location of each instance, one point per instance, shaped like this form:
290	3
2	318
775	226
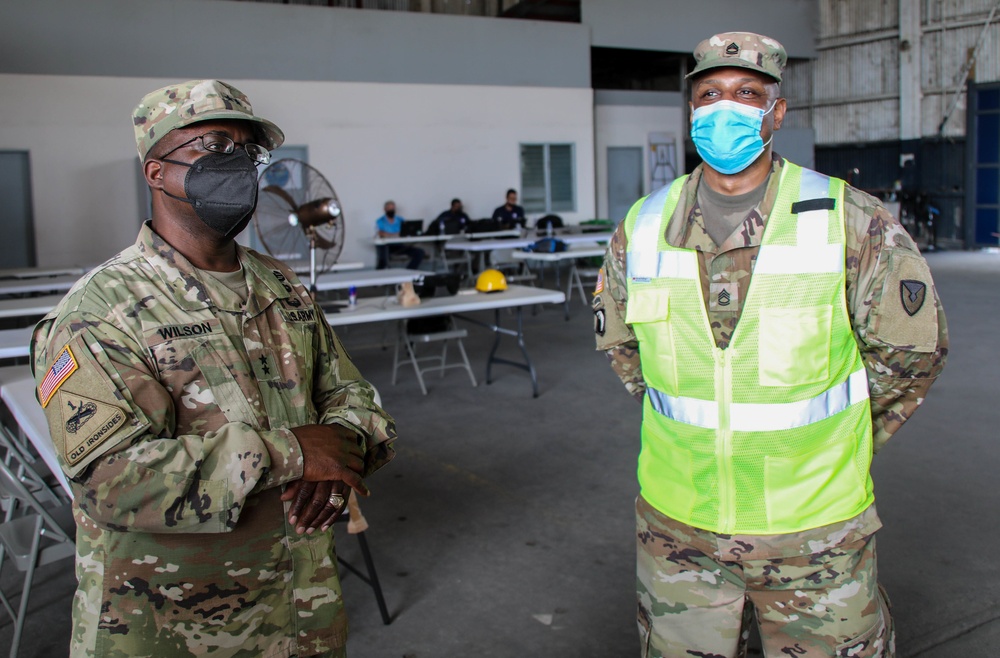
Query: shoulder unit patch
88	424
912	293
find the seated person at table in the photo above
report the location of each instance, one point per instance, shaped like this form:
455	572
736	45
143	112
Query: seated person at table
510	215
453	220
388	226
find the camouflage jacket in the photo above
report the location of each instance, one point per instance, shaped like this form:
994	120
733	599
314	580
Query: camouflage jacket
903	353
169	402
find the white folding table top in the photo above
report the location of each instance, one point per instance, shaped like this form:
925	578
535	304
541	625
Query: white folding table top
369	278
22	307
44	284
575	251
409	239
37	272
301	267
15	342
383	309
489	245
578	238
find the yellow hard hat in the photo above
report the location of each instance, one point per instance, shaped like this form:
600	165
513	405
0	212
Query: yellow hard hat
491	281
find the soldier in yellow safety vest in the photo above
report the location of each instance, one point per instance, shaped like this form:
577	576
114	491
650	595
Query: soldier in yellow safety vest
778	327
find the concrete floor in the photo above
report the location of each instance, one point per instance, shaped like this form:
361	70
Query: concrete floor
504	528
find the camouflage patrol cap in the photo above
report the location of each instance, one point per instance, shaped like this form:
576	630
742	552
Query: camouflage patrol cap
744	50
179	105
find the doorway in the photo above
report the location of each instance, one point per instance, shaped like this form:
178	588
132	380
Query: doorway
17	249
982	201
624	179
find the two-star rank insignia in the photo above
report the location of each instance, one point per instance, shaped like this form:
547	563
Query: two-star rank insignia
264	369
912	294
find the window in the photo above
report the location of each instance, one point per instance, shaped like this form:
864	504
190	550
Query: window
547	178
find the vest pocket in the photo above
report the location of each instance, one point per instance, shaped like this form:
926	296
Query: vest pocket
648	311
667	478
812	489
794	345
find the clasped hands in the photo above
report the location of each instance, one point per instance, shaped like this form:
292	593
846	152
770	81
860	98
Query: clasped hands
333	460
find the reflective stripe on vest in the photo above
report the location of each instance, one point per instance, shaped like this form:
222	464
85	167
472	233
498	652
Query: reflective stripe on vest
745	417
812	253
647	262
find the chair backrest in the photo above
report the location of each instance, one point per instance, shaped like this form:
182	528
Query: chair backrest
547	222
15	488
446	226
26	468
19	396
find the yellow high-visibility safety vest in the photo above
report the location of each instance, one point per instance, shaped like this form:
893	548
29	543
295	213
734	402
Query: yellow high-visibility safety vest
772	434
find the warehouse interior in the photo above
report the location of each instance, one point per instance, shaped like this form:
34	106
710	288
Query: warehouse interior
505	525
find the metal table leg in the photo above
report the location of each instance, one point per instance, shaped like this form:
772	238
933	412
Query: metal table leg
499	332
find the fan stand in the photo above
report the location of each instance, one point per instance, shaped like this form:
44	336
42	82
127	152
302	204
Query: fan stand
312	267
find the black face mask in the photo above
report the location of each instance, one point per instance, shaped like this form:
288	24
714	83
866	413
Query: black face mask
390	213
222	187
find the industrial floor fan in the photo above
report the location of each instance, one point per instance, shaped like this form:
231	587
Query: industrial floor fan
298	214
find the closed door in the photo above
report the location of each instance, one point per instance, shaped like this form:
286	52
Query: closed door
983	152
624	179
17	249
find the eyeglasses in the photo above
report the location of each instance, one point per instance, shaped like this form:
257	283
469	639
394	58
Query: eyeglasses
216	143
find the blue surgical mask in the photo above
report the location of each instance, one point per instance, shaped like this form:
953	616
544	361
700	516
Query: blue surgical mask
727	135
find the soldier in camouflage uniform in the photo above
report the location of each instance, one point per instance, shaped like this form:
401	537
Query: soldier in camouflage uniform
207	417
814	591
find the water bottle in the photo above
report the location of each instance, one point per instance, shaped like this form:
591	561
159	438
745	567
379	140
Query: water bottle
352	296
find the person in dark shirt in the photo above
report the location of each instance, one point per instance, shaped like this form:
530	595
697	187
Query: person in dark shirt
454	219
510	215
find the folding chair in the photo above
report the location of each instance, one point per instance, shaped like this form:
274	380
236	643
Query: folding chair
32	473
410	339
29	436
38	536
576	276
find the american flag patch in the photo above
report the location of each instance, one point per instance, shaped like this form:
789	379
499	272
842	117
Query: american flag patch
64	366
599	286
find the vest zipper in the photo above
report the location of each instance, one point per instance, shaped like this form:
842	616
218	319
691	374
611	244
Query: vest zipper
724	440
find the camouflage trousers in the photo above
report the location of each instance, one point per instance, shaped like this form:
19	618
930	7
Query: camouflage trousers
693	604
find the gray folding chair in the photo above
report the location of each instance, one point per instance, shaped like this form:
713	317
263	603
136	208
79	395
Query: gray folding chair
407	339
32	536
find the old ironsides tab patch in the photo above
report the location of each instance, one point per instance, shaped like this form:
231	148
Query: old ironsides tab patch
912	293
64	366
88	424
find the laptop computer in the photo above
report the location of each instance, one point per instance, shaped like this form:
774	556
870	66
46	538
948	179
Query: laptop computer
411	227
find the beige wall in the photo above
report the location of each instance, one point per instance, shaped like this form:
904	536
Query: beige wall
418	144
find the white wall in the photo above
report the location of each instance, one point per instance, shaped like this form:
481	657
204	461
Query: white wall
627	125
420	145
